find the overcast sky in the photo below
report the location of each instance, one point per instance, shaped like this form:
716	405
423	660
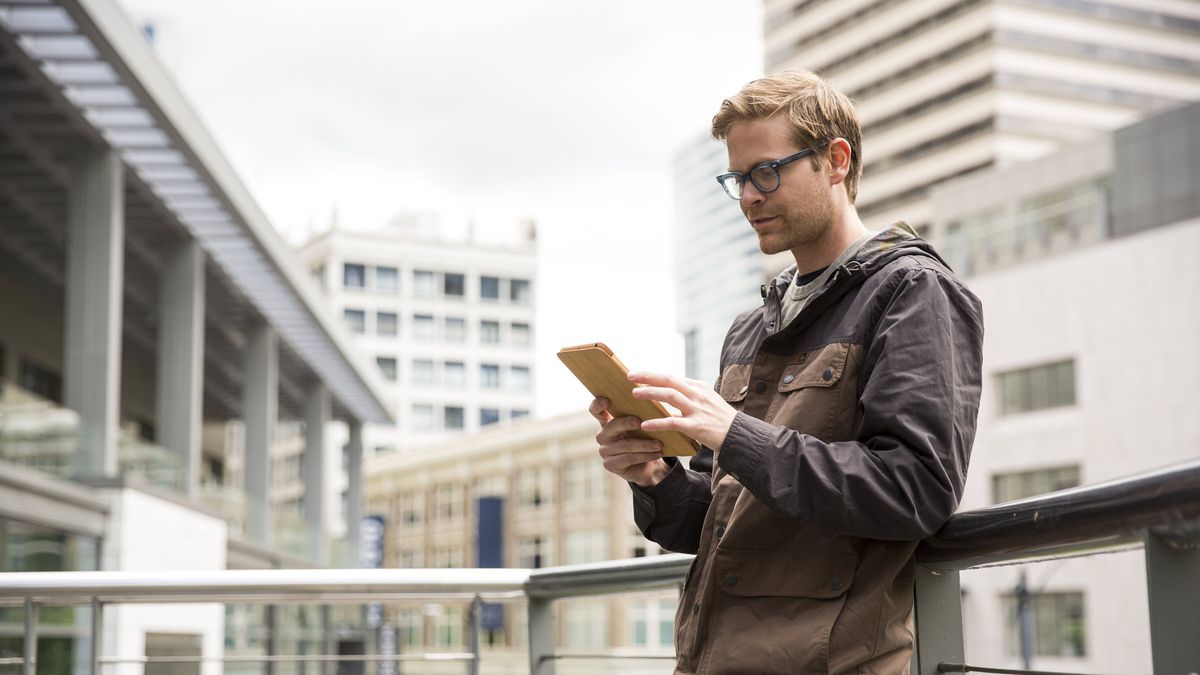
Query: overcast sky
564	111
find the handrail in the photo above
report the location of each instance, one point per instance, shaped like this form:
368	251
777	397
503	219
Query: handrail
1164	500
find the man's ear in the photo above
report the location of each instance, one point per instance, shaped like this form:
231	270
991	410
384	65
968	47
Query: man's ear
839	160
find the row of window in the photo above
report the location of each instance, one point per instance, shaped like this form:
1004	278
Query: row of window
431	284
428	417
425	328
453	374
580	481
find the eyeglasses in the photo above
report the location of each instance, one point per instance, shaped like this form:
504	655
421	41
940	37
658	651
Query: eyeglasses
765	176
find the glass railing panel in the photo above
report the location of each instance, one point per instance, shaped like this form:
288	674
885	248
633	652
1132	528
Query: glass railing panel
143	461
230	502
38	433
291	532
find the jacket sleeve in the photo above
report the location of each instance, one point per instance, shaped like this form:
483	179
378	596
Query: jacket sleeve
671	514
903	474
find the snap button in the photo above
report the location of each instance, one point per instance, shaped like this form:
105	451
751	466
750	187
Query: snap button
745	388
837	584
827	375
760	386
731	580
788	379
720	531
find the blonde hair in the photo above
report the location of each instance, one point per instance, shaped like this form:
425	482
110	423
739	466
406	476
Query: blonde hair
816	111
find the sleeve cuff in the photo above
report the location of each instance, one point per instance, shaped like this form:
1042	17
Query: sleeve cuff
742	452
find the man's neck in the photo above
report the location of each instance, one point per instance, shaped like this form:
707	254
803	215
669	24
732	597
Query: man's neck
846	229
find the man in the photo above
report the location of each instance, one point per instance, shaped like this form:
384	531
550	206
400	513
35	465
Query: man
840	429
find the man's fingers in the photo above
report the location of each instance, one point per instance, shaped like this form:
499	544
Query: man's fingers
664	395
612	430
619	463
599	409
659	380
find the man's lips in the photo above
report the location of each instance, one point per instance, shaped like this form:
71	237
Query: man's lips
759	221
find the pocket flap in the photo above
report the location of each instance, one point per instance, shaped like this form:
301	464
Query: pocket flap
735	382
822	368
757	573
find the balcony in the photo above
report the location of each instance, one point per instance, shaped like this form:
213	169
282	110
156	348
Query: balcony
1158	511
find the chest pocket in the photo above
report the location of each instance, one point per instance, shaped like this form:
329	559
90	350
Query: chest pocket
735	382
815	393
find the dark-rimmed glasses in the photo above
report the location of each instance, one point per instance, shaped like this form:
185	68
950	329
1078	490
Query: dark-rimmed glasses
765	176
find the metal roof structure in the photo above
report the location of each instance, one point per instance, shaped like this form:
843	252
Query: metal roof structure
78	73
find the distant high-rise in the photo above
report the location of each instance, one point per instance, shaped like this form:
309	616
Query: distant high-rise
450	324
945	88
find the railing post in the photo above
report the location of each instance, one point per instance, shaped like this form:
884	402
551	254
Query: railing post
473	616
1173	590
97	633
541	635
29	666
938	620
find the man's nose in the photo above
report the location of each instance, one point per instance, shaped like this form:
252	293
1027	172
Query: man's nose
751	194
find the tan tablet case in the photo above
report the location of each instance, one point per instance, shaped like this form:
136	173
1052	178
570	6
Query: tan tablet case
604	375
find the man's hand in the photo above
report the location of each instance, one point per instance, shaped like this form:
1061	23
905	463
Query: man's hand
705	416
637	460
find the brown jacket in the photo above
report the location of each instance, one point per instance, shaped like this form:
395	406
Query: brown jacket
850	445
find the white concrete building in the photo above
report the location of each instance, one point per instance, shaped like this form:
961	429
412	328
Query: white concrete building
451	326
159	343
945	88
1085	263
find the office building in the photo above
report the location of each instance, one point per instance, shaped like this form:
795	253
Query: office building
449	324
1084	261
946	88
160	345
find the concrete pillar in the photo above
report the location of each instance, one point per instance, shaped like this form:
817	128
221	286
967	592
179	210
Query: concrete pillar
181	358
260	411
317	407
94	280
354	489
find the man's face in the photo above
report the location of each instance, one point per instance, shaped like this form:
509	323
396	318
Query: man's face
800	212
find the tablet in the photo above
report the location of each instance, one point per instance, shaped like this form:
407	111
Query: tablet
605	376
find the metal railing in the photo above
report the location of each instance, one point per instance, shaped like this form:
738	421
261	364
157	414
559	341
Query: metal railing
1160	510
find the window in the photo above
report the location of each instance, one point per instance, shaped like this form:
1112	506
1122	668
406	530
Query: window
423	329
422	372
387	280
453	417
448	556
583	480
489	288
387	365
456	329
585	546
354	276
586	623
1059	628
489	376
356	319
408	508
409	558
488	416
653	623
489	332
453	285
1018	485
424	284
518	291
387	323
521	335
40	381
409	624
447	501
518	413
454	374
535	552
1037	388
422	417
518	378
448	627
535	487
